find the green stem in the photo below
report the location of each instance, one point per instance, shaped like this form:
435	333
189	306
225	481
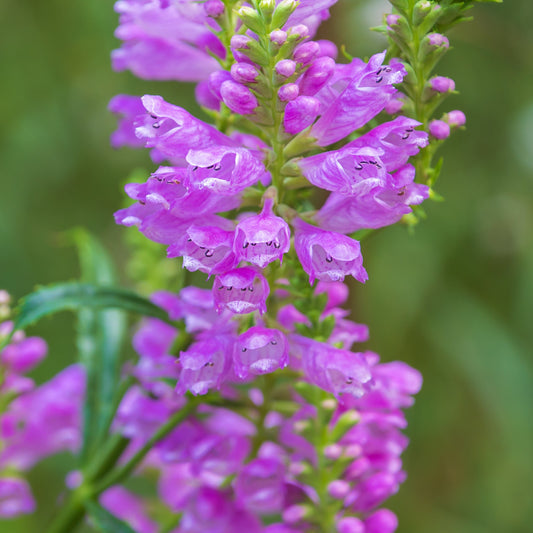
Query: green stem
100	475
124	471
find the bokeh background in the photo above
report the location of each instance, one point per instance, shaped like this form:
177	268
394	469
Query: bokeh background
454	299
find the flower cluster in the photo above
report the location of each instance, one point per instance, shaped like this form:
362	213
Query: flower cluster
237	201
35	422
276	454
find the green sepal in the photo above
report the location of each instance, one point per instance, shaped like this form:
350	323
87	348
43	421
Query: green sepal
344	423
252	19
282	13
104	520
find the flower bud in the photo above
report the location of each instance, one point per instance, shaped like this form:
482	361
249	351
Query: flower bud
442	84
251	19
350	524
267	7
282	13
305	53
392	20
437	39
300	113
439	129
288	92
286	68
382	521
456	118
317	75
295	513
244	72
328	48
338	489
333	451
238	97
421	10
278	36
298	32
214	8
247	50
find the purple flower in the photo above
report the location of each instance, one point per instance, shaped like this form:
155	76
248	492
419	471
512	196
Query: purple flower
166	40
15	497
44	421
128	108
129	508
263	238
317	75
205	365
205	248
23	354
337	371
379	206
395	141
260	486
212	510
348	171
355	94
300	113
172	131
260	351
223	170
242	290
439	129
326	255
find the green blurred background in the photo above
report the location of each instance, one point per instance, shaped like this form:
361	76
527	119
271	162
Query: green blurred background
454	299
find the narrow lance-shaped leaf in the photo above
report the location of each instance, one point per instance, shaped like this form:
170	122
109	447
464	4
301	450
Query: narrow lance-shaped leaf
74	296
100	336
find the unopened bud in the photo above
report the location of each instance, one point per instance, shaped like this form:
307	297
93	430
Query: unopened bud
333	451
251	19
295	513
286	68
339	489
288	92
238	97
244	72
282	13
305	53
278	36
442	84
298	32
439	129
214	8
456	118
350	524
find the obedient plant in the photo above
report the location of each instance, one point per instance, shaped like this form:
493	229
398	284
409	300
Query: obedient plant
250	402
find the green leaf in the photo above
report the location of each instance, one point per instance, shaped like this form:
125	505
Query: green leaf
105	521
100	337
74	296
